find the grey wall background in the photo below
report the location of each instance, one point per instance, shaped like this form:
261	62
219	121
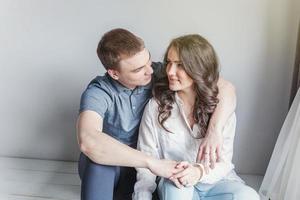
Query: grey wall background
48	56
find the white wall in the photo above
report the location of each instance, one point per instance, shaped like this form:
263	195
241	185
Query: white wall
47	57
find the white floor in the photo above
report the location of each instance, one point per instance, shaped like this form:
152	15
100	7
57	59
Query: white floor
31	179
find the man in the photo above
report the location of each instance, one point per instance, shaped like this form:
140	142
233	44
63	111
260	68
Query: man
110	112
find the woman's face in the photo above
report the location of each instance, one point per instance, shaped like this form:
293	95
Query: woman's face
178	78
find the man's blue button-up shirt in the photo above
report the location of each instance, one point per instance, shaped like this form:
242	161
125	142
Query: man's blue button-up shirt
120	107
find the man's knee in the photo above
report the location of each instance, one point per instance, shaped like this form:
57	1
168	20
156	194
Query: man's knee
87	166
98	181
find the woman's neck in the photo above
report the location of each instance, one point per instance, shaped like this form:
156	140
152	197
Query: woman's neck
188	96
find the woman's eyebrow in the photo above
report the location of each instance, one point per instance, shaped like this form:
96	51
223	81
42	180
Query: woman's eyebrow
175	61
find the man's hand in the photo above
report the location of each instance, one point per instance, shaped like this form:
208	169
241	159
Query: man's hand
163	168
210	149
189	176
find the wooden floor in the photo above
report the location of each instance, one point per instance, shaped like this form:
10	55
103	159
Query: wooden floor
31	179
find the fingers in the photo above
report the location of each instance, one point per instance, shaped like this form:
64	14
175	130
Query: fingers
177	170
204	153
176	182
181	182
206	160
182	164
218	154
209	156
179	167
180	174
200	152
212	158
184	181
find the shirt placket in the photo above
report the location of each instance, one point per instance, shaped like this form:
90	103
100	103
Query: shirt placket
189	134
191	131
133	102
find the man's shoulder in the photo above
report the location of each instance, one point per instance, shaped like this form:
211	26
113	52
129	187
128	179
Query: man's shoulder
101	82
100	88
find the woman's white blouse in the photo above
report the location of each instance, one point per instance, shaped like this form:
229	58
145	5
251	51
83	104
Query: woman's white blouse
180	145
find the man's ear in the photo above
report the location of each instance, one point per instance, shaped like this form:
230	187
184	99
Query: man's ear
113	73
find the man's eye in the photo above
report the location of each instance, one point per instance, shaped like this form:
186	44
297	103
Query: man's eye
137	70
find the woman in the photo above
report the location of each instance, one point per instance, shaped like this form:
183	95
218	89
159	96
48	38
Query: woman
175	121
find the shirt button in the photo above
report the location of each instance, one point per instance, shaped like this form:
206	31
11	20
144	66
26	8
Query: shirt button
133	107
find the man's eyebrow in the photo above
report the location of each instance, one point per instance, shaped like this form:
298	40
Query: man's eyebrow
143	65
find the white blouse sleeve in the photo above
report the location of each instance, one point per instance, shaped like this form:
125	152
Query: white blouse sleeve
225	166
145	184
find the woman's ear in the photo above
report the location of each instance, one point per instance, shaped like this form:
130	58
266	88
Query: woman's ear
113	74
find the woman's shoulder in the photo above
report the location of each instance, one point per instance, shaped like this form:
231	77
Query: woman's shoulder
151	110
151	107
152	104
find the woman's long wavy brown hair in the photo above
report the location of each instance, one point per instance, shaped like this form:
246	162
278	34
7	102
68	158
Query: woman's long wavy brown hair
201	64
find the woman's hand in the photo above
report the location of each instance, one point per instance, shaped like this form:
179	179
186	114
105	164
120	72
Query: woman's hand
210	149
189	176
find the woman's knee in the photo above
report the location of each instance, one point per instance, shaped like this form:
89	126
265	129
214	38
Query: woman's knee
167	190
245	192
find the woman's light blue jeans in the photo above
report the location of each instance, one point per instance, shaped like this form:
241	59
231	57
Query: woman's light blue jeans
222	190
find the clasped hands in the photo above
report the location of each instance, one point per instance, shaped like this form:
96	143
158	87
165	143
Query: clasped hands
208	154
189	175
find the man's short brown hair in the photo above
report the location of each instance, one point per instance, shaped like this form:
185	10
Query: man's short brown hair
118	44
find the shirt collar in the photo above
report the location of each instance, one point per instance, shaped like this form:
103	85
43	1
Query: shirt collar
121	88
178	100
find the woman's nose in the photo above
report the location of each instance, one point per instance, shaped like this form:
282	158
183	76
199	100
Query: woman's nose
171	70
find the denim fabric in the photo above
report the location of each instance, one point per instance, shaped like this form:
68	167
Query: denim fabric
222	190
102	182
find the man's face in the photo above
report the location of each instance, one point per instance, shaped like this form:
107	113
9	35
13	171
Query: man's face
134	71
